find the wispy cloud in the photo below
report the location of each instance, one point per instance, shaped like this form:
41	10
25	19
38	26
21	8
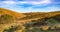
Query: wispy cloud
9	2
30	5
31	2
27	2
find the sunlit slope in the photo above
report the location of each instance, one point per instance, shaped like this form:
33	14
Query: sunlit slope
9	12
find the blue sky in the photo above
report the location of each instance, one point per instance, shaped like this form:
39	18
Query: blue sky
31	5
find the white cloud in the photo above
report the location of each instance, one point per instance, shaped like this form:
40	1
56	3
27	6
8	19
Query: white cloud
47	9
9	2
36	2
27	2
42	2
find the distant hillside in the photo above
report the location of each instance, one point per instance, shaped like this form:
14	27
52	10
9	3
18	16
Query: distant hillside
40	15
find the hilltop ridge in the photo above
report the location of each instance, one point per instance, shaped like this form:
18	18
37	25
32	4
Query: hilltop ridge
40	14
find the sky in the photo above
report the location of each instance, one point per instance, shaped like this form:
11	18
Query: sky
31	5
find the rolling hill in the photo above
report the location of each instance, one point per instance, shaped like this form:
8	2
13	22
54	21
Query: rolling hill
29	22
8	18
10	12
27	16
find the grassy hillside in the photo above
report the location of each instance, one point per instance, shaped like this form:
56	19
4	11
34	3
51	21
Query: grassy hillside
10	12
11	21
8	18
47	24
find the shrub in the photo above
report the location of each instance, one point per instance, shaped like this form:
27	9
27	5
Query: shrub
51	22
6	19
12	29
